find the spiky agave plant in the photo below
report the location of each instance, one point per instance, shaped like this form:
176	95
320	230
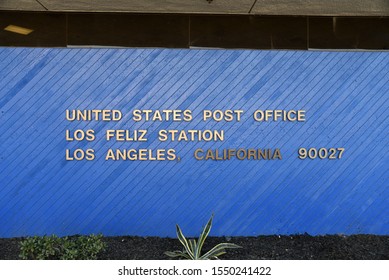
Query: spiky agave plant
192	249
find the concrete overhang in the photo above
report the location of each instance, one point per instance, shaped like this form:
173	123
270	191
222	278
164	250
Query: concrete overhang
224	7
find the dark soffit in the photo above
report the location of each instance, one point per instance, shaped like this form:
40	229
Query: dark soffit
194	31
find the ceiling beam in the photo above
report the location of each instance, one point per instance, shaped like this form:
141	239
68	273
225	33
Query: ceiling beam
227	7
322	7
21	5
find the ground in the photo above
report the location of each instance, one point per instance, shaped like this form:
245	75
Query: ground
294	247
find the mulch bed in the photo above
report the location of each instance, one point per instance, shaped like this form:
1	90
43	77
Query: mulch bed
294	247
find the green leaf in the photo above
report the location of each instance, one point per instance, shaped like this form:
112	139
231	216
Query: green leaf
183	241
219	250
192	245
213	255
177	254
203	236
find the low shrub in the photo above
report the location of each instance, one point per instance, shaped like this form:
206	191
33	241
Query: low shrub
193	249
61	248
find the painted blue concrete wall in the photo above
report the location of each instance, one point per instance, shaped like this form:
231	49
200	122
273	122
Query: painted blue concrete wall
345	95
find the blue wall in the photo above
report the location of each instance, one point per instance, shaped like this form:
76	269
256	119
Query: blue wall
345	95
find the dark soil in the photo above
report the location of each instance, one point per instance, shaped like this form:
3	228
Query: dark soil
295	247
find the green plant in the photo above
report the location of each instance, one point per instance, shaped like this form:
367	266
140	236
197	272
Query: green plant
39	248
192	249
65	248
89	247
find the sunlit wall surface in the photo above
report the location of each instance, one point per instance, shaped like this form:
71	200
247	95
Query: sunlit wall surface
344	96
